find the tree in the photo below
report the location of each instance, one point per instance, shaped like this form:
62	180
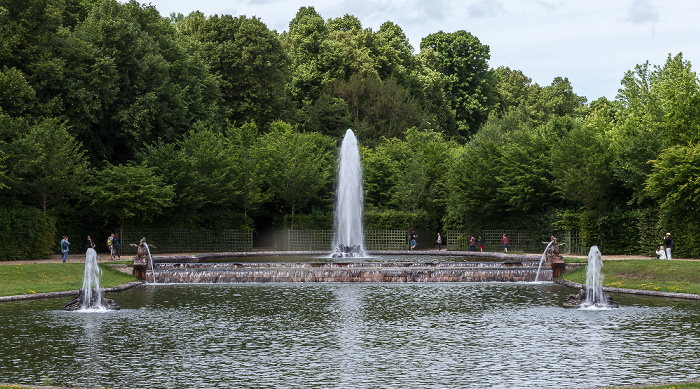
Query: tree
132	193
299	168
463	60
242	145
249	61
675	185
581	166
139	85
50	164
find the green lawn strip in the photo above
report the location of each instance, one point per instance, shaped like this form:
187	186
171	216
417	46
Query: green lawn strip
663	276
52	277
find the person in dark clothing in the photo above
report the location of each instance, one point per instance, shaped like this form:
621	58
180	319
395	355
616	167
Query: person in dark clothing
481	243
668	242
412	240
89	244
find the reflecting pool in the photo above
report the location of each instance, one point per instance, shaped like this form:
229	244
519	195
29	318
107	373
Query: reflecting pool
347	335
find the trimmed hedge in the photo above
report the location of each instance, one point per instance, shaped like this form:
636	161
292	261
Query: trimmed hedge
26	233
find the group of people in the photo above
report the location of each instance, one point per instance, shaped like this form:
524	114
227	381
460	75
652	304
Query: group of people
665	253
472	242
113	246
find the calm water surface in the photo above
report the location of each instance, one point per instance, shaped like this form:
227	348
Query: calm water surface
350	336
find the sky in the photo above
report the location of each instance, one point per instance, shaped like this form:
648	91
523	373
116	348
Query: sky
590	42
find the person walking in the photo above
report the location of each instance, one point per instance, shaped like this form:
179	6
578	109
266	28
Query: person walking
504	240
669	243
472	243
65	247
439	241
481	243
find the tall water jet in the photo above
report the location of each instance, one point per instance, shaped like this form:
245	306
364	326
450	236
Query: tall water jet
348	232
591	295
594	280
90	296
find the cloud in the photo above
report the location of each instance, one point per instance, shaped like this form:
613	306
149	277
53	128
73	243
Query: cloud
642	11
485	8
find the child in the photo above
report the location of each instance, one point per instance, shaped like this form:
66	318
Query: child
661	252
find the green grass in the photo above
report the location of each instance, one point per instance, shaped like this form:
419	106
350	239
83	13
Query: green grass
649	274
52	277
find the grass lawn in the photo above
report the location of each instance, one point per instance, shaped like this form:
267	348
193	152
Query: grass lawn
647	274
52	277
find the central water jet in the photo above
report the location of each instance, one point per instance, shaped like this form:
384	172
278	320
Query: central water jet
348	232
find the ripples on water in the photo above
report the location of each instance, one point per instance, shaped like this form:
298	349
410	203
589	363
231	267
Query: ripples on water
350	336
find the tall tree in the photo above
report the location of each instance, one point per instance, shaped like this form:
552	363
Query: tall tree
463	60
249	61
299	168
143	86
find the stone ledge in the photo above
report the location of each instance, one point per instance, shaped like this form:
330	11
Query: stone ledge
641	292
67	293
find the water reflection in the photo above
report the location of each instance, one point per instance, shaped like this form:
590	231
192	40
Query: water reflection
350	335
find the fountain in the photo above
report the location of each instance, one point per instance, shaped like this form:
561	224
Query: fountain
552	256
143	260
348	234
90	296
592	296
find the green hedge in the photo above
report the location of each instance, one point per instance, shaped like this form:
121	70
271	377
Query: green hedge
26	233
397	220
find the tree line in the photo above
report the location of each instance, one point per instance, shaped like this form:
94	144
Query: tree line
112	115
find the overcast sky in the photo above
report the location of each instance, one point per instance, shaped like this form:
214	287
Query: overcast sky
591	42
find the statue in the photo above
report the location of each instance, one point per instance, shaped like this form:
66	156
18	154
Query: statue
78	302
554	258
578	300
143	258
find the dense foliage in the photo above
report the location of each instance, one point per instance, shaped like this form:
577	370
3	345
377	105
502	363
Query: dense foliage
112	115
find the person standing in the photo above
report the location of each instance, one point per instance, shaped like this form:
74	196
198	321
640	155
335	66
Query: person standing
472	243
64	247
439	241
110	246
90	244
412	239
118	246
669	243
504	240
481	243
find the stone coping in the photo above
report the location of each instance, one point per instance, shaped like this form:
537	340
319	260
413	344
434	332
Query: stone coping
687	296
474	254
67	293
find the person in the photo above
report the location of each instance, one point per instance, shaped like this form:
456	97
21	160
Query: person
412	239
64	247
472	243
110	246
118	246
439	241
504	240
90	244
481	243
661	253
669	243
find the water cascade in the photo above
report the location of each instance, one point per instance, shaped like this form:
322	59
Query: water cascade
591	295
594	280
543	259
91	281
150	260
348	233
90	296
